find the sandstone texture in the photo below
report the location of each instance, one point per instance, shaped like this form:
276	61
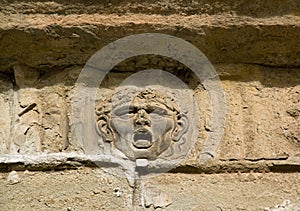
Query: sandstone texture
92	189
254	47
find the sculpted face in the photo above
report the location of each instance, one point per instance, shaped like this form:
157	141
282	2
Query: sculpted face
144	127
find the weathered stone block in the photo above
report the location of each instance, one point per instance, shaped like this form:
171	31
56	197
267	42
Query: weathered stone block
26	137
5	113
258	122
54	119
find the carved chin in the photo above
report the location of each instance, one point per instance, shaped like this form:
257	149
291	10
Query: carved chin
142	140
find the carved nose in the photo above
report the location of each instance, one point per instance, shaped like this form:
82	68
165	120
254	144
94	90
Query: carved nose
142	118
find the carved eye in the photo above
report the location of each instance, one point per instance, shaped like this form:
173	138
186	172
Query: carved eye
157	114
123	113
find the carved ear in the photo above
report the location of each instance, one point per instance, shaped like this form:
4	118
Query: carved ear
181	127
105	128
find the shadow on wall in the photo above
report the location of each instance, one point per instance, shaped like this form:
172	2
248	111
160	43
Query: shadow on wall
23	76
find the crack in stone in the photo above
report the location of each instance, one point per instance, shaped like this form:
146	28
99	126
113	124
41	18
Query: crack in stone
62	161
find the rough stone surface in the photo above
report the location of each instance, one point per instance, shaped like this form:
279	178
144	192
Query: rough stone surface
13	178
262	112
155	198
61	40
92	189
286	205
254	47
83	189
5	113
262	104
228	191
184	7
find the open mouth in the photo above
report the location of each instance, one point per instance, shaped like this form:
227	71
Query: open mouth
142	140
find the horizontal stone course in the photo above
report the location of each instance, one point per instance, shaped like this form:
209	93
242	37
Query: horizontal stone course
49	41
261	120
254	8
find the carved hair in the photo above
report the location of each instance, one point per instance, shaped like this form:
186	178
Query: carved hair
128	93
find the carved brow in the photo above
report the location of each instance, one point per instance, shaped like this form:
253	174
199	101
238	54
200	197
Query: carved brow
156	109
124	110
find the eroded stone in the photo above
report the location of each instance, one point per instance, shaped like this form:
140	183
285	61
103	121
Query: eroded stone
5	114
13	178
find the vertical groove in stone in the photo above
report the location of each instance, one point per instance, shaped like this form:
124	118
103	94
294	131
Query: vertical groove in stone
65	130
42	128
64	127
12	145
11	105
87	127
137	195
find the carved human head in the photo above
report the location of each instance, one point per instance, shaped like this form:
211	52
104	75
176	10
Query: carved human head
141	123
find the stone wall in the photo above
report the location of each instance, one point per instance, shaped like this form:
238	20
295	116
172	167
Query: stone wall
254	47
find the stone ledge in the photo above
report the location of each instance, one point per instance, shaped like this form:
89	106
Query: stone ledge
47	41
62	161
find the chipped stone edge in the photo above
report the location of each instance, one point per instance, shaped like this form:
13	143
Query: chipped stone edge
65	161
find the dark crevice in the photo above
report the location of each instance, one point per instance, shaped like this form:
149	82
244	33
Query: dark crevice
216	168
9	76
269	76
271	66
157	62
290	168
237	169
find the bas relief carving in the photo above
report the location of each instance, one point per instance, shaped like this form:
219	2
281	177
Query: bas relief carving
145	127
145	123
